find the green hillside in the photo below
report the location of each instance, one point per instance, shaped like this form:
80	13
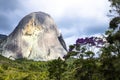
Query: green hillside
22	69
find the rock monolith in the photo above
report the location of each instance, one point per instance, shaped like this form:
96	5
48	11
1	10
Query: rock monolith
36	37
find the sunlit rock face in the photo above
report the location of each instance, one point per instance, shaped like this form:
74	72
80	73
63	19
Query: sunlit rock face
36	37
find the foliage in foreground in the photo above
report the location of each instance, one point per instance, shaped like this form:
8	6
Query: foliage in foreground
22	70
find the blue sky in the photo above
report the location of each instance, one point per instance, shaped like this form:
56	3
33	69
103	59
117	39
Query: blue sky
74	18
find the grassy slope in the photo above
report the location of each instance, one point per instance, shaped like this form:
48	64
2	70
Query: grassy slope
22	69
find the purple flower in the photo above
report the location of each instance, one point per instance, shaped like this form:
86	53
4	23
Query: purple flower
93	41
90	41
100	41
86	40
91	38
80	41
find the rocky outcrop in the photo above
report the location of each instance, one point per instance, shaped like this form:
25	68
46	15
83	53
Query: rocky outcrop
2	37
36	37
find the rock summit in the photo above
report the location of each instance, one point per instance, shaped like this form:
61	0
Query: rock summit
36	37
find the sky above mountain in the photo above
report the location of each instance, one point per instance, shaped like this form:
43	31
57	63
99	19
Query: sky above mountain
74	18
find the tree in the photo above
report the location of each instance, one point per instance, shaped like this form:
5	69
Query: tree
115	5
84	47
110	56
56	69
86	64
113	32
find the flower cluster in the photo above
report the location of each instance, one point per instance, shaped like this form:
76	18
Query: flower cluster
85	46
92	41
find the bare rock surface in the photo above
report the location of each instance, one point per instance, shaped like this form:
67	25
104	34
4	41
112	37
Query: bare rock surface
36	37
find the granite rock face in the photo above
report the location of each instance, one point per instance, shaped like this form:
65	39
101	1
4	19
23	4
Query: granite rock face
36	37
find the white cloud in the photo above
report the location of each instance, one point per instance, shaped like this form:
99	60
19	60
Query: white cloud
87	13
70	8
